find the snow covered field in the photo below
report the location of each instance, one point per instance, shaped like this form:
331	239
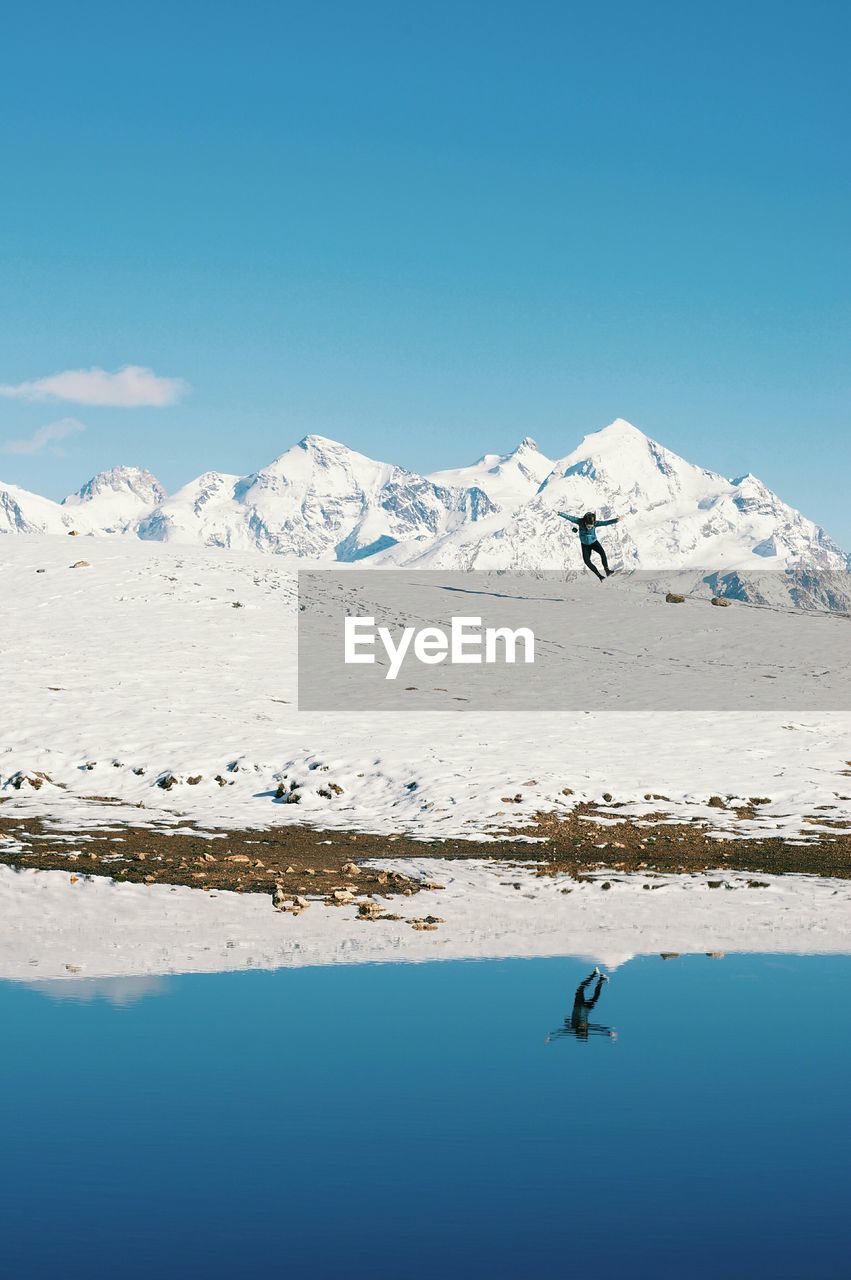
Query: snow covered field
167	664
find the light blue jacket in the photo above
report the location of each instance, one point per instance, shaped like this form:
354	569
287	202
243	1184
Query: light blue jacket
586	535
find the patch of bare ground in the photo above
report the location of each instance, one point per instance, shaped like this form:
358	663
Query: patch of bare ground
299	861
287	862
577	842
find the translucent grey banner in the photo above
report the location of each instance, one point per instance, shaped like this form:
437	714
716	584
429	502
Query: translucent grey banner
402	640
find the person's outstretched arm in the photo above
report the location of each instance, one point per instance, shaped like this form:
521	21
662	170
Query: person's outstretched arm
614	520
574	519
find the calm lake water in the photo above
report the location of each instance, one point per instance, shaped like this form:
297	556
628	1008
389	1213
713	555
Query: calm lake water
413	1121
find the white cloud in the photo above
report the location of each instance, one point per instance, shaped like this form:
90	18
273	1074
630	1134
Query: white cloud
129	388
45	438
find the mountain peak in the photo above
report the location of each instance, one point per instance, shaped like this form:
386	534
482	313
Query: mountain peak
616	432
135	482
527	445
313	441
316	455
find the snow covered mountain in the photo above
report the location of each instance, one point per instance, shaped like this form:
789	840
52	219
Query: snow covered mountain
115	500
24	512
322	500
507	479
319	500
676	515
111	502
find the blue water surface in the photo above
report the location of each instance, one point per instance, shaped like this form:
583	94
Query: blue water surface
414	1120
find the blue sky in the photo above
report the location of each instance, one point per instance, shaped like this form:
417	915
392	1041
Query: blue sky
428	231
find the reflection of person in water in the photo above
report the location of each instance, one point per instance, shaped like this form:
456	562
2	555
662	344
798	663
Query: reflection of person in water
577	1024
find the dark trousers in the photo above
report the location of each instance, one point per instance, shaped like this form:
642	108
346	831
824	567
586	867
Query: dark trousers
587	548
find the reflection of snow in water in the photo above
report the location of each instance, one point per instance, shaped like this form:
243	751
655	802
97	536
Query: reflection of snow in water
117	991
58	931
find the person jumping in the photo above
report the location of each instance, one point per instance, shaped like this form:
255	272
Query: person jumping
588	526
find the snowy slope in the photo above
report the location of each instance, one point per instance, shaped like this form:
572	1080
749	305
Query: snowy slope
139	666
202	511
24	512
